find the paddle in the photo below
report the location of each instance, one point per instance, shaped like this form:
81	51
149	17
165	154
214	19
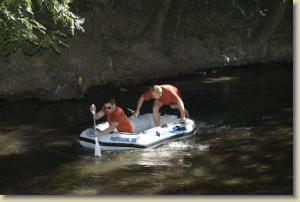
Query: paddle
97	145
132	111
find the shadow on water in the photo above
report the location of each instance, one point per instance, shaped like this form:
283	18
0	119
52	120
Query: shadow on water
243	144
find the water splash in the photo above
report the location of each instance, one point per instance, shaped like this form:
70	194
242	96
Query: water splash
188	146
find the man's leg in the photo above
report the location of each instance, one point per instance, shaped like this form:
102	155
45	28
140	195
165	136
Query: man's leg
156	116
175	106
187	114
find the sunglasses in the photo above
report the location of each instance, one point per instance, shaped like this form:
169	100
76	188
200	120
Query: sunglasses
109	107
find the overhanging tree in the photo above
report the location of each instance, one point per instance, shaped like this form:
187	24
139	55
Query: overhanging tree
34	24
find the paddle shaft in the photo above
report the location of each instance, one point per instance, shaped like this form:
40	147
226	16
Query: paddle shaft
97	146
94	117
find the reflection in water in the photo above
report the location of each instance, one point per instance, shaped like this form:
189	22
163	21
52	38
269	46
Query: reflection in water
243	142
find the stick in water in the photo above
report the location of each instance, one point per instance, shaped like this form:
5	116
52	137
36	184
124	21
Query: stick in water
97	145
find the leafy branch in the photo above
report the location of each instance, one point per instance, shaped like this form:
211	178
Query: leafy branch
34	24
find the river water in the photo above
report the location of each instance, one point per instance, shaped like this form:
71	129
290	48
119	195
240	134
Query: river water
243	145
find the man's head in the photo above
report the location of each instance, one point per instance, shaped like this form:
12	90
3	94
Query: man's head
156	91
109	105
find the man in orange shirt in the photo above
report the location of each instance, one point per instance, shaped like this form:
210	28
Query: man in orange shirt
116	118
163	95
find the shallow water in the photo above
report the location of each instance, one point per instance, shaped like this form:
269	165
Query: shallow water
243	144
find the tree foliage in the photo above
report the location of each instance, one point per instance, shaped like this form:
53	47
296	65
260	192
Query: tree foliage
34	24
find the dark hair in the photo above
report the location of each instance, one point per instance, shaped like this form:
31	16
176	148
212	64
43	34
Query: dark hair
110	100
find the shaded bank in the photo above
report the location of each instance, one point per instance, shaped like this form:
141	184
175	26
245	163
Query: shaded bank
129	42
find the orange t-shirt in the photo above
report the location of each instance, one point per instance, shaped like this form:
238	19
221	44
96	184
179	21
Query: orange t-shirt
120	117
170	95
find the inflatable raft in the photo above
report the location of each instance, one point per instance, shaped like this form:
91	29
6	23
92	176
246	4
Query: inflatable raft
144	136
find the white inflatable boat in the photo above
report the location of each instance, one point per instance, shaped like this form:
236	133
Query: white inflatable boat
144	136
